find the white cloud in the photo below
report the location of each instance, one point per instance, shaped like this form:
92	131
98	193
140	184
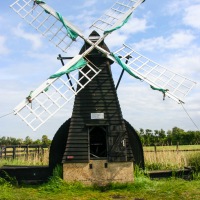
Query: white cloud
192	16
135	25
116	39
180	39
186	62
144	108
34	39
189	9
88	3
176	6
3	49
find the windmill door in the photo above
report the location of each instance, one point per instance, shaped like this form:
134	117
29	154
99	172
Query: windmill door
98	142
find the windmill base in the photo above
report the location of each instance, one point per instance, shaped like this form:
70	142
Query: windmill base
98	172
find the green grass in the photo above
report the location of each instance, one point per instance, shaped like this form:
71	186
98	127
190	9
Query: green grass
142	188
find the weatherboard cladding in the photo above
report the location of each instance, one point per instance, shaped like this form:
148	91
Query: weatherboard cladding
99	96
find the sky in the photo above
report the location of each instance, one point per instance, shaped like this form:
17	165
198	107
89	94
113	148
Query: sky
164	31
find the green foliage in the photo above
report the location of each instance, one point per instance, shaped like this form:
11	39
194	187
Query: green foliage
57	184
5	189
138	172
171	137
160	166
148	137
58	171
194	161
45	140
8	180
4	182
5	141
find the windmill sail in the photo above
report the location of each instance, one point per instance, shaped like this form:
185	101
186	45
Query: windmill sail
160	78
117	15
48	22
55	92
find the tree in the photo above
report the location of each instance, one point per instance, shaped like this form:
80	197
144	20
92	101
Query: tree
45	140
141	135
20	141
28	140
149	137
169	137
38	141
162	137
177	135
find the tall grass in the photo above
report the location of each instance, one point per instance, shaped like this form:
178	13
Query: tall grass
32	159
165	160
160	160
169	160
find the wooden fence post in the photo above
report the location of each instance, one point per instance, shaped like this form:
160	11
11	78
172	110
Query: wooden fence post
14	152
27	152
5	153
155	148
38	152
1	149
177	145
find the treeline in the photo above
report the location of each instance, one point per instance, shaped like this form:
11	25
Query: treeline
148	138
4	141
170	137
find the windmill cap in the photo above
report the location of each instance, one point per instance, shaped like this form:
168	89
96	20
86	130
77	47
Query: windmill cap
94	36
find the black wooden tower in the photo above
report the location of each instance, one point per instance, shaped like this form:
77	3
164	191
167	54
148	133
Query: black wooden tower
96	130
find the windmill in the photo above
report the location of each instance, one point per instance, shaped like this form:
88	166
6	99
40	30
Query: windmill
97	134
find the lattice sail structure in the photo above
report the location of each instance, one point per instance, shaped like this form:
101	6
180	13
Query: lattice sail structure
155	74
46	21
53	94
116	14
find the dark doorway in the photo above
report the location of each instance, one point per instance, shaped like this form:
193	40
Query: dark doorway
98	143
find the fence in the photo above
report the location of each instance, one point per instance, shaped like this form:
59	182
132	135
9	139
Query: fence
15	151
175	148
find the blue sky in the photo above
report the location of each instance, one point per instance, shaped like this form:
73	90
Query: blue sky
165	31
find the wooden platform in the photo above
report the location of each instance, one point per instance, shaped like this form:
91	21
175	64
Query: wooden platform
180	173
26	174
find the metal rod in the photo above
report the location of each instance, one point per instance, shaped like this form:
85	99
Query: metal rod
127	57
61	59
120	78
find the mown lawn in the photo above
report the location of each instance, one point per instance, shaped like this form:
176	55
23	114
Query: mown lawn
142	189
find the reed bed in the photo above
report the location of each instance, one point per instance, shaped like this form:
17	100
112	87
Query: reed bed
163	160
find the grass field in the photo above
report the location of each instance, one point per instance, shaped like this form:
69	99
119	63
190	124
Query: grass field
142	189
